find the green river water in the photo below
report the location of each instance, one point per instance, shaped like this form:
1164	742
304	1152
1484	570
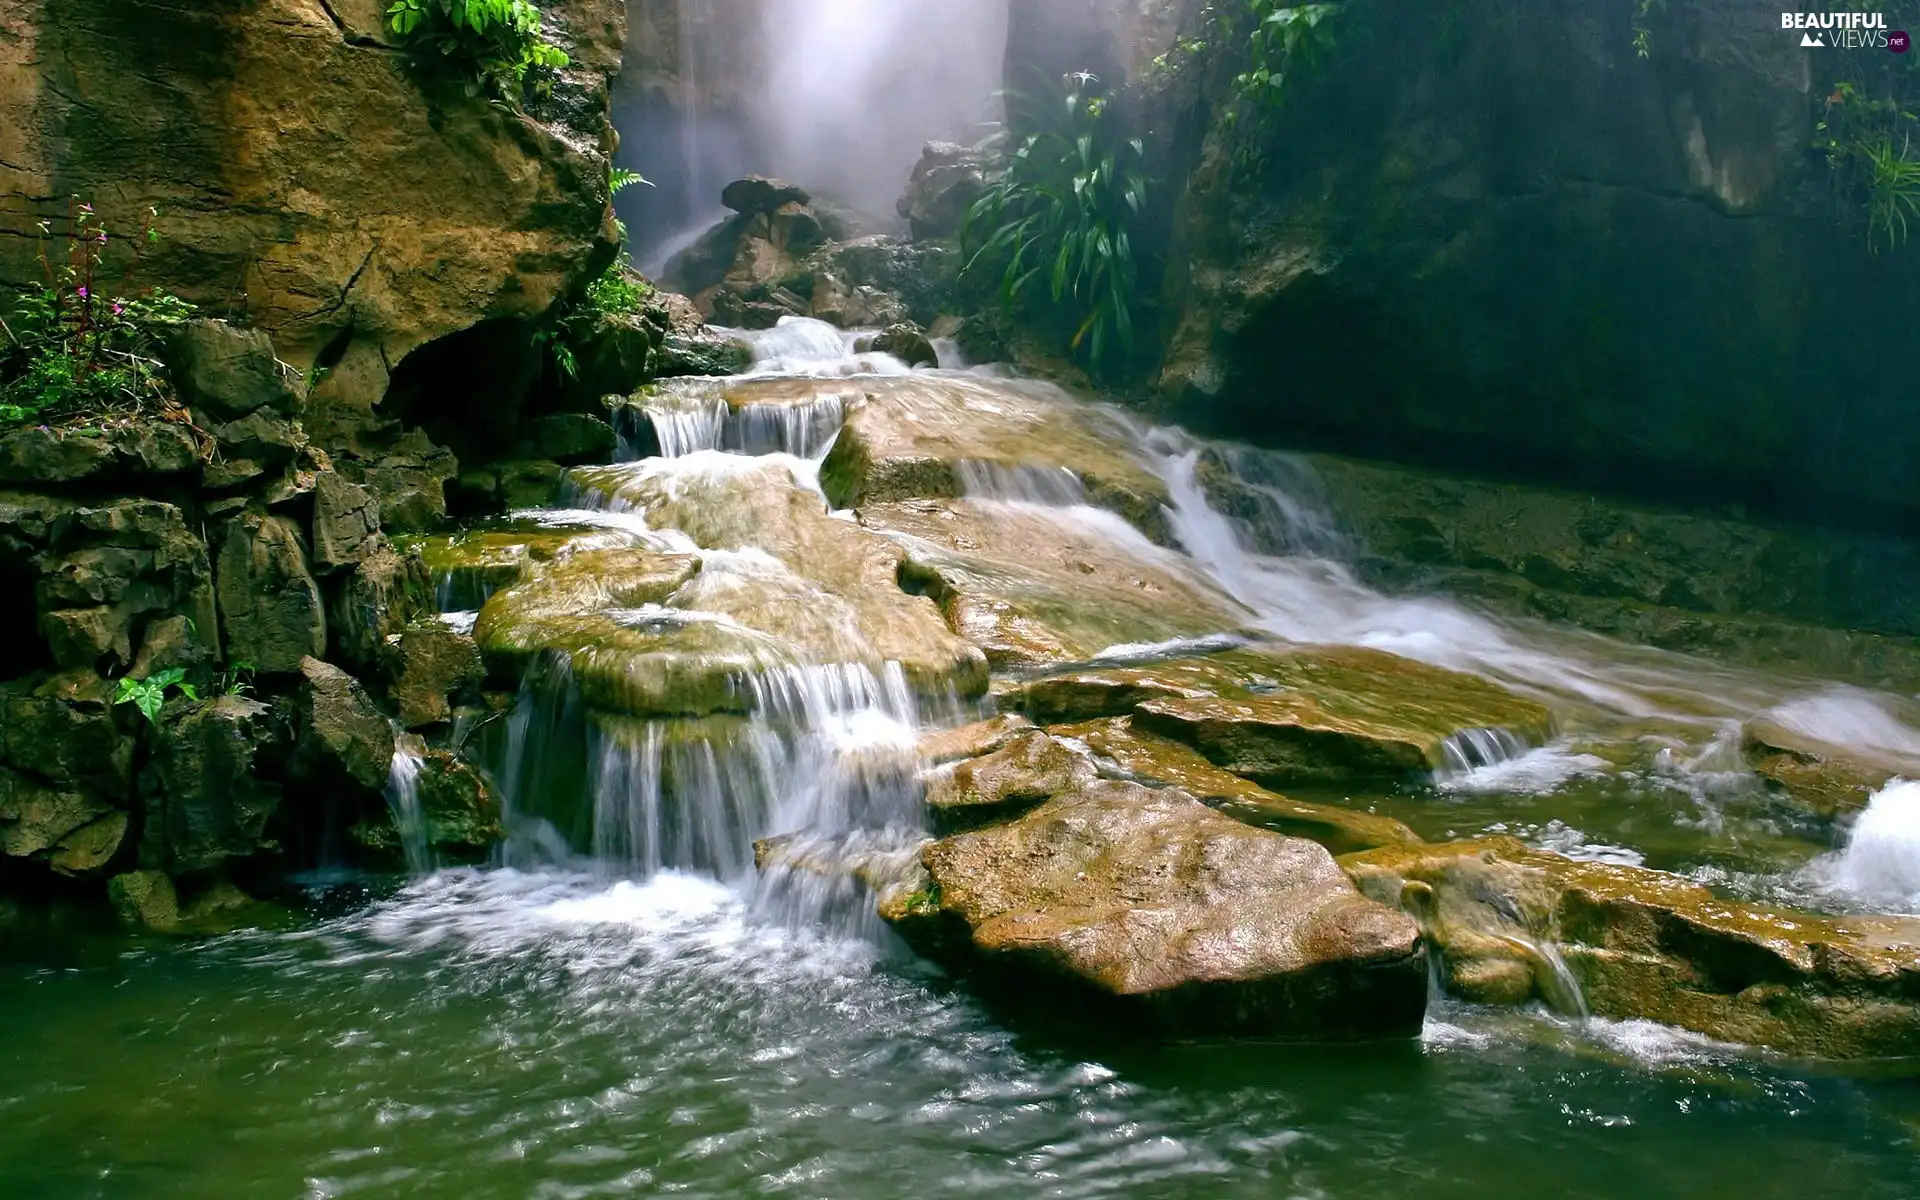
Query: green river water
509	1034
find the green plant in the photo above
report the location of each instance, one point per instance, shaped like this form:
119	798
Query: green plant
149	695
1866	132
1056	228
1277	41
1643	11
1893	191
616	292
496	45
68	348
235	680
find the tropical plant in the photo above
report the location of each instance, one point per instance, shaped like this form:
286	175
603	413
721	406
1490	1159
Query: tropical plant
494	45
70	347
1057	228
1893	191
149	695
616	291
1867	131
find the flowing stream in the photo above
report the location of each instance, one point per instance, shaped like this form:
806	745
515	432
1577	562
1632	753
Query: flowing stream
626	1007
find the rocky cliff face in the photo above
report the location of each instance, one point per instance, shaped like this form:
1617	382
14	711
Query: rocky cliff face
1496	238
306	182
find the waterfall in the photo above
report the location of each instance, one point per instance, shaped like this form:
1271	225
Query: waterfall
403	800
1052	487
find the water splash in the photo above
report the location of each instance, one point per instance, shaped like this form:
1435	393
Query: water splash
1047	487
403	800
1881	862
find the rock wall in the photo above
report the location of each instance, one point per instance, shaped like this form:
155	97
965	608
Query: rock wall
306	182
1493	238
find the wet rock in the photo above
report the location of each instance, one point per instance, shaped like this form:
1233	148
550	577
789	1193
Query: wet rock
908	343
1046	586
850	305
270	608
1172	914
1029	770
410	479
145	900
346	517
225	373
922	437
342	733
1827	780
759	194
945	183
916	280
459	806
212	784
1279	717
571	439
1643	944
1158	762
972	741
614	354
436	663
118	452
386	592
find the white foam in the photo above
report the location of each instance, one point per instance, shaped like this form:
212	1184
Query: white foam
1540	770
1881	863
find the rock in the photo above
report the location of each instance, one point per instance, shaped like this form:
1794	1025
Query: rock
759	194
342	734
796	230
571	439
972	741
1028	770
409	478
852	306
945	183
922	437
228	373
459	807
280	203
1042	587
212	784
71	833
1641	944
169	642
386	592
615	354
906	342
270	608
1157	762
145	900
1174	915
917	281
1308	716
346	517
62	730
111	568
1828	780
120	452
436	662
261	437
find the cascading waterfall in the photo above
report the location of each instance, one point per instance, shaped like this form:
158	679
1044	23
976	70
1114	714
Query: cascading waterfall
403	800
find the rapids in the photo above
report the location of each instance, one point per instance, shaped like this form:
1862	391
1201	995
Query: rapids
626	1006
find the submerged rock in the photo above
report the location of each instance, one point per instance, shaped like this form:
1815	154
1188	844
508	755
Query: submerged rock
145	900
1295	716
1159	762
906	342
1637	943
1170	913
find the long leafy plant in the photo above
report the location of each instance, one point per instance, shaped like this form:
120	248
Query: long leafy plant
1057	229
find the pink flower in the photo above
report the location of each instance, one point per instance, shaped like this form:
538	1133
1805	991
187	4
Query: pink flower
118	309
81	292
103	237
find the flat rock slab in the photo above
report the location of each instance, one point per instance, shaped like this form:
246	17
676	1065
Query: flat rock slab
926	436
1825	778
1157	761
1645	944
1300	715
1174	914
1042	587
1028	770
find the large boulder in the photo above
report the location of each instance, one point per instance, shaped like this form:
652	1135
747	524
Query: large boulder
346	516
280	199
343	736
435	664
270	607
1512	924
72	833
226	373
1179	918
112	572
946	181
757	194
212	785
386	591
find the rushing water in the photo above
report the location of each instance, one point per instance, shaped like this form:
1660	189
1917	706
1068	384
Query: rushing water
629	1008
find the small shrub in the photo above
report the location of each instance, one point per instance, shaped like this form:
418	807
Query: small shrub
70	348
1056	228
492	45
149	695
618	292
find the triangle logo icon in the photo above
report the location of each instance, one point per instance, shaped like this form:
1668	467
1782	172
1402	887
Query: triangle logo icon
1811	39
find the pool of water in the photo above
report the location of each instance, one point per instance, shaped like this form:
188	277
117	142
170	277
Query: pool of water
513	1034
